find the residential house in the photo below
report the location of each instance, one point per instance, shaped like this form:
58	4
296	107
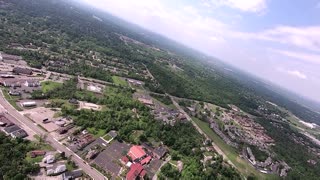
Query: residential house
37	153
56	169
124	160
69	175
136	170
137	154
19	134
11	129
84	140
92	153
160	152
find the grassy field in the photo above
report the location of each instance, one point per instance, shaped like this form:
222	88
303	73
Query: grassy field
49	85
107	137
96	133
119	81
34	160
244	167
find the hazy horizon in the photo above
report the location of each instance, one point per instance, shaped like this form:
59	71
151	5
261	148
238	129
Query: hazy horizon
257	36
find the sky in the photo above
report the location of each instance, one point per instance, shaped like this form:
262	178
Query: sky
278	40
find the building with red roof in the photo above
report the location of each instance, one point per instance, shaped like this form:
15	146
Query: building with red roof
136	170
124	160
36	153
136	153
146	160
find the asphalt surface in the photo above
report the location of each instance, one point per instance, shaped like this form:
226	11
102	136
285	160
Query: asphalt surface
93	173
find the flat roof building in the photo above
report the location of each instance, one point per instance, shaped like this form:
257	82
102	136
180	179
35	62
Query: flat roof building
18	70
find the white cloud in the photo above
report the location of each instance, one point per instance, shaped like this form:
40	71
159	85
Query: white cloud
307	57
243	5
297	74
185	24
307	38
293	73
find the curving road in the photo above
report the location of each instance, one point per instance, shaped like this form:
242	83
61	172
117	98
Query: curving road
93	173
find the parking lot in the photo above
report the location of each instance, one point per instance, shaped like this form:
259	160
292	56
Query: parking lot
39	114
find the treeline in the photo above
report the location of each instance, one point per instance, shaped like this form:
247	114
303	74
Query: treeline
13	164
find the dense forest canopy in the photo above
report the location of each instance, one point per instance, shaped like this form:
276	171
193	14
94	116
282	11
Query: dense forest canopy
13	164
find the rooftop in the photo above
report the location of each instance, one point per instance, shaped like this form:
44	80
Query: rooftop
135	171
136	152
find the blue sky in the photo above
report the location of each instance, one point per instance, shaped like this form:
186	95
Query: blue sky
278	40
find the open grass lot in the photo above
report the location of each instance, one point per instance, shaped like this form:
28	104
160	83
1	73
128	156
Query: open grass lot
34	160
107	137
39	144
49	85
119	81
244	167
96	132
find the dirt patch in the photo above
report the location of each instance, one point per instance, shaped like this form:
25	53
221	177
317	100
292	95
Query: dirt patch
86	105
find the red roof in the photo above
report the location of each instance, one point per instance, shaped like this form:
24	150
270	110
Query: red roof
136	152
37	153
135	171
143	173
146	160
124	159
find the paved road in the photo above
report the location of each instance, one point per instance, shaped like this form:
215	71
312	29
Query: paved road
217	148
53	142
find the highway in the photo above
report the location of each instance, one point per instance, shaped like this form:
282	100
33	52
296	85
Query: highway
93	173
